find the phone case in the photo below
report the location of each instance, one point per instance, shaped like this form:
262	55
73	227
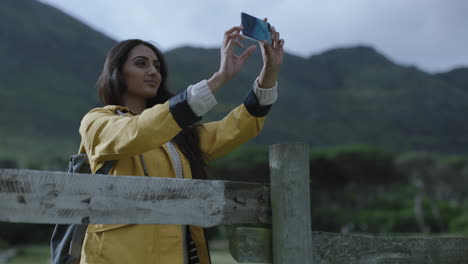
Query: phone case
255	28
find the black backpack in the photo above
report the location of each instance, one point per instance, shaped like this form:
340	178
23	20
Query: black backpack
67	239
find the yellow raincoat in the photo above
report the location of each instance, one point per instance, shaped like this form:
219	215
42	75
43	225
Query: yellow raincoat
107	136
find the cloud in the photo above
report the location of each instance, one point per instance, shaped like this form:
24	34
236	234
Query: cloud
428	33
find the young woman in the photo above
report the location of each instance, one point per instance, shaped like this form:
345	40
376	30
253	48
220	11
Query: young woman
151	132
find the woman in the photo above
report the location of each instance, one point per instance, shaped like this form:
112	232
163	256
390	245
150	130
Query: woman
151	132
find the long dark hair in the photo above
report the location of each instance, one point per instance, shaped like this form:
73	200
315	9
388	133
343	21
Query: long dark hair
111	86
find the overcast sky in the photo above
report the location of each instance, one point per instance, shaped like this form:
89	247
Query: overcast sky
431	34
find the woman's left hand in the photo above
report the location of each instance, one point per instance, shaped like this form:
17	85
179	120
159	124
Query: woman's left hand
272	55
231	63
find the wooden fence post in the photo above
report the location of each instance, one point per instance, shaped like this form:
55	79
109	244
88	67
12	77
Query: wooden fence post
290	201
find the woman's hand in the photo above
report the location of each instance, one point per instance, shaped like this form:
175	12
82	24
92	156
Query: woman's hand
230	64
272	59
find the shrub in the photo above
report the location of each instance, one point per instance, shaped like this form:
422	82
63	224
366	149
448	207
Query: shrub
361	164
9	164
19	233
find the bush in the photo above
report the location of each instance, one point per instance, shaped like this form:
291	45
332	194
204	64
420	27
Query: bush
391	211
20	233
248	164
9	164
244	157
459	225
354	164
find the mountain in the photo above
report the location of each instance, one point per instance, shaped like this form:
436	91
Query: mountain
50	62
353	95
350	96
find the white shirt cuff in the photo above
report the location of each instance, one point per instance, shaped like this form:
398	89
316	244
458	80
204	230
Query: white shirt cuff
266	96
200	98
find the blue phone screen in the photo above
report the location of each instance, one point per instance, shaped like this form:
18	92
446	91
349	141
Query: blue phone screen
255	28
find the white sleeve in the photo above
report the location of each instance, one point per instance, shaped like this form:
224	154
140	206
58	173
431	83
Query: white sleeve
266	96
200	98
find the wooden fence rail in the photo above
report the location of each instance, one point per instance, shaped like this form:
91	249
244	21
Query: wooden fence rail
31	196
55	197
254	245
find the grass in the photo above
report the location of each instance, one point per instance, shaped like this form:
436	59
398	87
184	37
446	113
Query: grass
219	251
32	254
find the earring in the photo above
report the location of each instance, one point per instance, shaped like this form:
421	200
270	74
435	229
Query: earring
114	78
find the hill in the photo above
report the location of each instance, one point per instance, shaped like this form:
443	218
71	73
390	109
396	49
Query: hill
50	62
352	95
349	96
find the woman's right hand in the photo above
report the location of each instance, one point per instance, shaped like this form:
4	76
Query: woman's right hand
231	63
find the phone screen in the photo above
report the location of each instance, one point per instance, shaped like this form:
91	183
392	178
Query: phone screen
255	28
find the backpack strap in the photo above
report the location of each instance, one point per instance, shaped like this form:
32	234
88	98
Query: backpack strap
145	170
175	158
77	240
60	237
105	169
79	231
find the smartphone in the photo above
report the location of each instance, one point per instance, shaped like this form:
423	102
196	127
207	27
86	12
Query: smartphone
255	28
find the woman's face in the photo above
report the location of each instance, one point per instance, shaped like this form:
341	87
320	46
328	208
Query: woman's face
141	73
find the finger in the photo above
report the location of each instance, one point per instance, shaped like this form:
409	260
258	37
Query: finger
234	42
273	37
234	35
277	38
281	44
231	30
266	46
264	43
246	54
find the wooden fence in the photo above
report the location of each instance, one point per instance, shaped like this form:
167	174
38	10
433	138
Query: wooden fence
30	196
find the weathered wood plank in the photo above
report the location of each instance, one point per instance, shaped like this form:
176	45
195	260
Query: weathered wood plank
349	249
58	197
246	203
251	245
290	199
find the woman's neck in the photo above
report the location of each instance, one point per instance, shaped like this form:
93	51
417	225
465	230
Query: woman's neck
135	104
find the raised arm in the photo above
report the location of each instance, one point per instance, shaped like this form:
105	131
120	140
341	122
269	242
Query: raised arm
272	56
239	126
230	63
246	121
108	136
